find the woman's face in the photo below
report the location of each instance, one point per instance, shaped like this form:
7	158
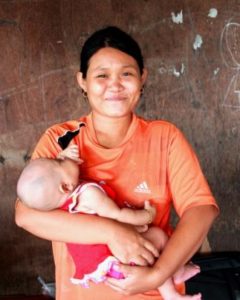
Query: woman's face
113	83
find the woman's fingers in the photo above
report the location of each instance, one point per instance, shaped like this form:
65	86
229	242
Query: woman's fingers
138	261
137	280
148	257
149	246
132	247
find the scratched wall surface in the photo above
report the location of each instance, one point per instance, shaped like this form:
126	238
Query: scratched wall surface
192	52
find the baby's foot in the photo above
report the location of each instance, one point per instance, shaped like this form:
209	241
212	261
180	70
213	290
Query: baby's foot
177	296
186	272
187	297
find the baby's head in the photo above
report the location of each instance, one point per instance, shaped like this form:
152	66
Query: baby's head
46	183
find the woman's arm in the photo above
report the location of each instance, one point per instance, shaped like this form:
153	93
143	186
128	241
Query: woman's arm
185	241
189	235
58	225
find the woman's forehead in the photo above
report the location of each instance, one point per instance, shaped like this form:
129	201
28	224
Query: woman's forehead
107	57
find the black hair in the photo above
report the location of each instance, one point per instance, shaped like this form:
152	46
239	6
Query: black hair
110	37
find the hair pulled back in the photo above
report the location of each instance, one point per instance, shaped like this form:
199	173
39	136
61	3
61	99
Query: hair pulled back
109	37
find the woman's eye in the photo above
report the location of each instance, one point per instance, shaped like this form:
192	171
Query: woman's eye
127	74
101	76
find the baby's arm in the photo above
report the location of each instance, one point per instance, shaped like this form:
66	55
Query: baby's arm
94	199
137	217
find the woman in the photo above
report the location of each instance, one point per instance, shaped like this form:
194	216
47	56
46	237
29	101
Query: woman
140	160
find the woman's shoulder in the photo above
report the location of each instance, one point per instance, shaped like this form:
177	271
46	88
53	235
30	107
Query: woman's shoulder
159	126
70	125
57	137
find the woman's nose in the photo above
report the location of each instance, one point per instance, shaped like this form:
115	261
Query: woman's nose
115	83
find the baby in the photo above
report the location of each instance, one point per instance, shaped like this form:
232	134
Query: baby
47	184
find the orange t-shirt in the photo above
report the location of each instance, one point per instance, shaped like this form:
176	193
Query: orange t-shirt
154	161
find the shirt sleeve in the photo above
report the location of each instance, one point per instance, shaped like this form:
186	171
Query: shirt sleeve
47	146
57	138
188	185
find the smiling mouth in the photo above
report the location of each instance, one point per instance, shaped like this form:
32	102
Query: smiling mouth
115	98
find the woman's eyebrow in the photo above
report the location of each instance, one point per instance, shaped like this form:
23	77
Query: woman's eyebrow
103	68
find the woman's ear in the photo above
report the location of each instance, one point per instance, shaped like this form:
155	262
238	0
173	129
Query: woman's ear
81	81
144	76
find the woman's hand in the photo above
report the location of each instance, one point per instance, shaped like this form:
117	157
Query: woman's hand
137	280
130	247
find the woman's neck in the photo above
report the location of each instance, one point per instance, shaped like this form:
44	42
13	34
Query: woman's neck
110	132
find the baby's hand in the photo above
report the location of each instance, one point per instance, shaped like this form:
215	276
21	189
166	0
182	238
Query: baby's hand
70	152
151	210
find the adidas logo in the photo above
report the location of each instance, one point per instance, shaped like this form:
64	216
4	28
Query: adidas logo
143	188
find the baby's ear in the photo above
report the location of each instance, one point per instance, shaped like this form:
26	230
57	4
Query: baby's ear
65	188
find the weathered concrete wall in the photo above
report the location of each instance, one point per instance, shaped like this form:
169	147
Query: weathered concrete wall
197	89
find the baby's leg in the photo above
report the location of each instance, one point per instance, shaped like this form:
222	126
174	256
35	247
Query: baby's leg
159	238
168	292
186	272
